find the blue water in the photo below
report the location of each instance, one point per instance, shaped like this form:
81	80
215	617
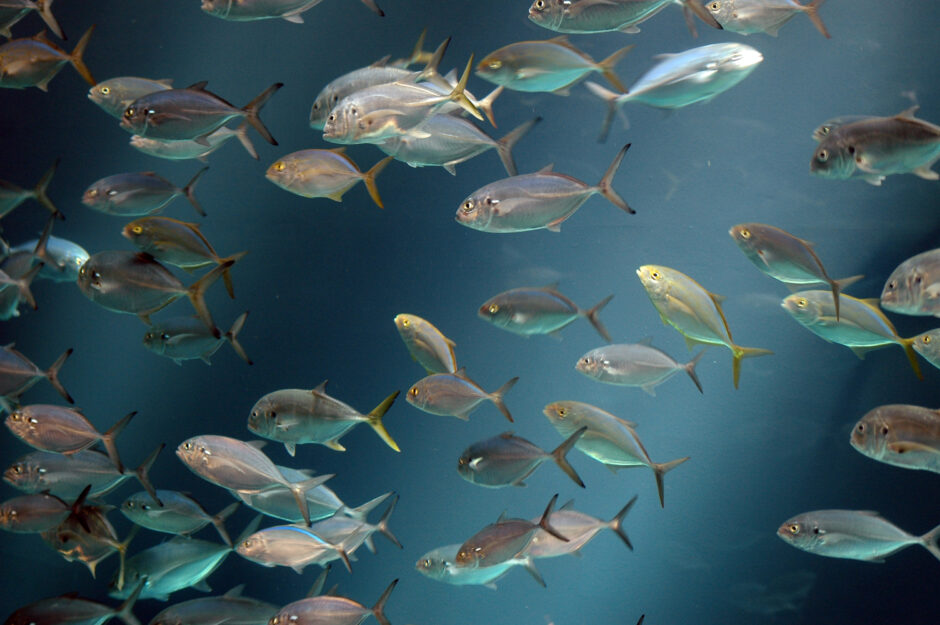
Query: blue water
323	282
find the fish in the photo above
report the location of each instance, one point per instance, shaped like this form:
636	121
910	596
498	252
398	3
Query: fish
862	327
696	313
236	465
786	258
544	199
15	291
188	338
297	416
324	173
601	16
684	78
426	344
746	17
852	534
70	609
289	545
134	194
504	540
507	460
67	476
610	440
191	113
12	11
352	532
34	61
252	10
901	435
18	374
455	395
913	288
928	346
635	364
539	310
39	512
452	141
333	610
178	243
579	528
66	257
179	514
876	147
231	608
116	94
553	65
136	284
440	564
190	148
833	125
12	195
62	430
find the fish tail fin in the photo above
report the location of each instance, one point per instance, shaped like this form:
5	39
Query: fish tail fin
613	101
227	274
418	54
41	251
52	374
22	285
374	7
299	490
529	565
689	20
232	337
545	525
40	191
596	321
109	437
253	109
486	104
694	6
218	521
190	190
497	397
241	133
505	145
458	95
616	523
690	369
375	420
124	611
660	469
607	67
812	11
605	185
361	512
379	608
908	345
45	12
430	69
368	178
143	473
121	548
739	354
382	525
75	58
558	455
197	294
929	541
838	285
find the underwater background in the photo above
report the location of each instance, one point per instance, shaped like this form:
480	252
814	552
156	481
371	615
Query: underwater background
323	281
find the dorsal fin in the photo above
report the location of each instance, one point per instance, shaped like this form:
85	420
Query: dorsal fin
382	62
507	435
908	113
235	592
321	387
646	340
547	169
199	86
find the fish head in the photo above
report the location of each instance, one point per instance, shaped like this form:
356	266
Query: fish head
478	210
467	465
498	311
802	308
801	532
89	278
869	435
430	566
591	364
138	232
252	547
262	420
137	506
549	13
341	121
321	108
26	475
20	423
831	160
722	11
419	394
104	95
136	118
155	339
928	346
406	324
497	68
559	413
194	452
656	280
97	196
282	172
906	289
469	555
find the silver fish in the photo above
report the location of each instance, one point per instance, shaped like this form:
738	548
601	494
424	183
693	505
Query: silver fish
178	514
15	291
188	338
833	125
116	94
913	288
539	310
329	610
12	195
601	16
236	465
174	565
191	113
455	395
534	201
507	460
426	344
67	258
684	78
901	435
35	61
609	439
134	194
351	533
38	512
298	416
441	564
635	364
231	608
579	528
12	11
324	173
190	148
928	346
290	545
763	16
18	374
252	10
73	610
852	534
785	257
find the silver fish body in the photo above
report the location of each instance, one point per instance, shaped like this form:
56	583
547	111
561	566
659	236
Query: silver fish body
351	82
330	610
179	563
441	565
116	94
278	501
18	374
507	460
35	61
38	512
578	528
913	288
323	173
538	310
190	148
253	10
230	608
72	610
426	344
137	193
455	395
762	16
594	16
287	545
928	346
179	514
503	541
634	364
68	257
900	435
12	11
188	338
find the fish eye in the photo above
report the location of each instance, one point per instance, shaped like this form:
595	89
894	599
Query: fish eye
892	285
495	64
129	505
246	544
468	206
414	391
714	6
851	149
917	279
405	323
655	275
18	469
745	234
861	427
562	412
540	4
187	446
334	98
824	130
316	106
802	302
15	416
93	193
794	528
332	117
105	90
129	112
490	201
137	229
493	308
279	166
427	561
926	340
823	155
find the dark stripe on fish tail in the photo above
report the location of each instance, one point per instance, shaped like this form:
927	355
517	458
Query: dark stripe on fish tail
616	523
544	524
607	67
190	191
382	525
812	11
124	611
605	188
908	345
612	100
379	608
143	473
558	455
253	109
596	321
505	145
232	337
197	293
107	439
227	274
40	191
218	521
660	469
52	374
22	285
690	369
497	397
